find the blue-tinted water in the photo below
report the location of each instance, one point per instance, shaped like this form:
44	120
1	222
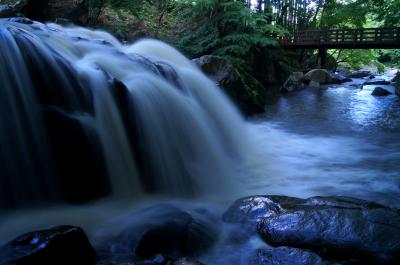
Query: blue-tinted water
336	140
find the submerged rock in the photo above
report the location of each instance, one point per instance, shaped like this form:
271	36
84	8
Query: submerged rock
379	91
244	89
59	245
286	256
160	230
340	228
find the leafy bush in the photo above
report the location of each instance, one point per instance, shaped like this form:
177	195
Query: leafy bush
223	27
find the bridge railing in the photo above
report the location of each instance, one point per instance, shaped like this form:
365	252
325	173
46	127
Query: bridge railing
343	36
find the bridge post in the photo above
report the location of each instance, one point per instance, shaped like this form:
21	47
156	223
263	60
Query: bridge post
321	58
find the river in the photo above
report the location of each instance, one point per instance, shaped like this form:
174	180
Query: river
336	140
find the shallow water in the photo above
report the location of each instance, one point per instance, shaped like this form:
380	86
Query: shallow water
337	140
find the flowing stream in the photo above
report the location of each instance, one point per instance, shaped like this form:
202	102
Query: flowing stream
92	130
337	140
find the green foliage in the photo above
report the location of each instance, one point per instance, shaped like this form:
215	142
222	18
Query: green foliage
356	59
224	27
390	57
345	14
387	11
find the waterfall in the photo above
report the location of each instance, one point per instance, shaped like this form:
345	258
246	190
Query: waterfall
84	116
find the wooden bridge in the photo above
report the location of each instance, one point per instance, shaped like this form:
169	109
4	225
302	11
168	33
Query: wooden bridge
371	38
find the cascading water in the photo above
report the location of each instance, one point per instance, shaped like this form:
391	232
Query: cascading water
83	116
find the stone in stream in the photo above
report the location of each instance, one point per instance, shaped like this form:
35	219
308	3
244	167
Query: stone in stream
294	82
336	78
62	245
340	229
379	91
286	256
359	74
376	81
396	78
250	210
160	230
321	76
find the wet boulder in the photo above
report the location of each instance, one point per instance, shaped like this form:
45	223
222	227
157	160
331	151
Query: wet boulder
286	256
376	81
161	230
396	78
379	91
250	210
64	245
321	76
294	82
359	74
242	88
336	78
339	228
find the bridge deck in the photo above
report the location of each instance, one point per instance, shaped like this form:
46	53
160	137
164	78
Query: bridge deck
373	38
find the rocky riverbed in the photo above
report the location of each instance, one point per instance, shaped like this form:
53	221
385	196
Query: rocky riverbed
291	231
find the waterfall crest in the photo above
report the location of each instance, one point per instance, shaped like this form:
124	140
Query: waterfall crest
83	116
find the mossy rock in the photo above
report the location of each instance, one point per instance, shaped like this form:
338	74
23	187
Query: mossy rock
245	90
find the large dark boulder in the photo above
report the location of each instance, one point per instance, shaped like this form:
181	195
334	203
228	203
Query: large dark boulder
339	228
244	89
63	245
250	210
286	256
379	91
321	76
161	230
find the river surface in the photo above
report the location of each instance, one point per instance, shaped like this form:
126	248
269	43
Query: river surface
336	140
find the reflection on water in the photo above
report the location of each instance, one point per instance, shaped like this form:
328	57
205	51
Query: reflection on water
338	140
